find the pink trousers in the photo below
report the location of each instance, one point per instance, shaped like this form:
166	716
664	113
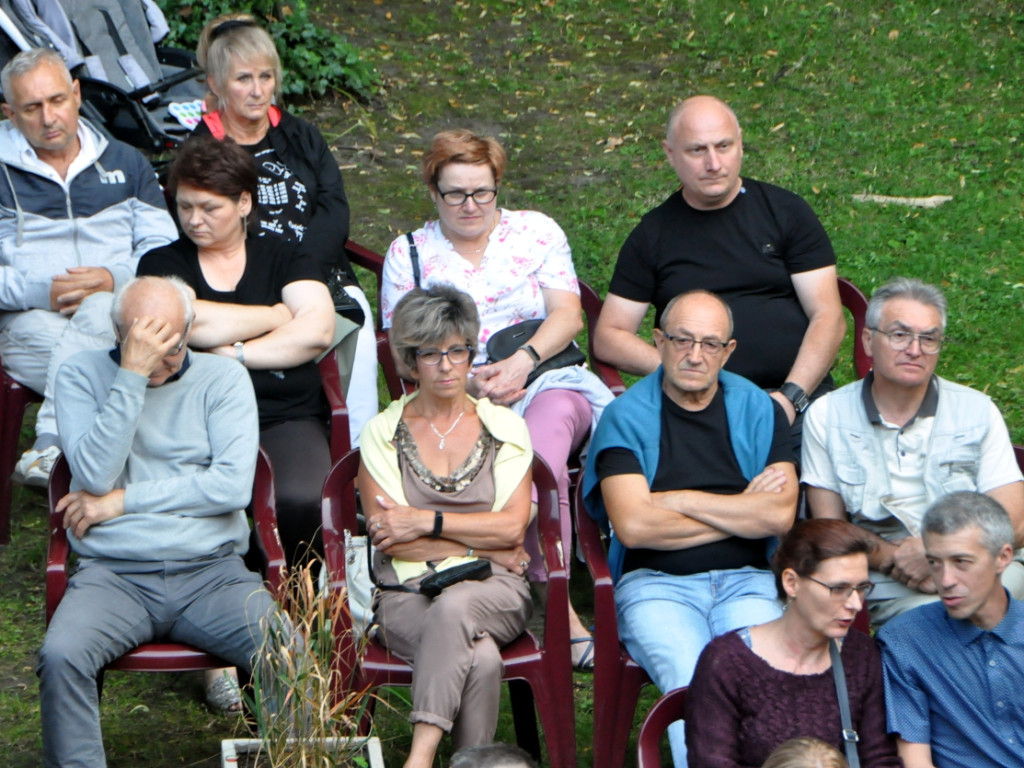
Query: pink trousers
559	421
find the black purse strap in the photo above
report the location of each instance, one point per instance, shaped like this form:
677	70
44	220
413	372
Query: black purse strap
850	737
414	257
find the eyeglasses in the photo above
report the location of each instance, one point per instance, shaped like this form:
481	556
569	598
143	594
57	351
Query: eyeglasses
684	344
843	591
458	196
456	355
900	340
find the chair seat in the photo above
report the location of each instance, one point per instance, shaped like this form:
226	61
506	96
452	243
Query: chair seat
172	657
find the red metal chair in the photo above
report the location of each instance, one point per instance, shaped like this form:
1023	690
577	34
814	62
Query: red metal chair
159	656
857	303
665	711
617	678
537	673
14	399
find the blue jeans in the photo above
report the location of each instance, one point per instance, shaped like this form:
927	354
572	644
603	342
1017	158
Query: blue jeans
665	621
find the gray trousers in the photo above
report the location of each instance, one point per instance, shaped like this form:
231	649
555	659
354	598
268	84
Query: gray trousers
453	644
215	604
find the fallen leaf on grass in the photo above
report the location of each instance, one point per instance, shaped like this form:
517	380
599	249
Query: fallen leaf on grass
612	142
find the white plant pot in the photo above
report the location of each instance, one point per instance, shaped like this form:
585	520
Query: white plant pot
230	749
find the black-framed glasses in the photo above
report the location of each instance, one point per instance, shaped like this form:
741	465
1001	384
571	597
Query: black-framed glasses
899	340
456	355
456	197
843	591
685	344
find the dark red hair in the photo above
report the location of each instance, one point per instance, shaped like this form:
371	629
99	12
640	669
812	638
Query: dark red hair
810	542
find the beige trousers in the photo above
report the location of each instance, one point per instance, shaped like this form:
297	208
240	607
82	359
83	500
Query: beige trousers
453	644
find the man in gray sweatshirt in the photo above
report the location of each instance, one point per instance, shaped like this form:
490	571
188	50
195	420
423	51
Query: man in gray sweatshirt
162	447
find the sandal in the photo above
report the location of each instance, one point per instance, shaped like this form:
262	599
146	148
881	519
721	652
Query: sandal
223	694
585	663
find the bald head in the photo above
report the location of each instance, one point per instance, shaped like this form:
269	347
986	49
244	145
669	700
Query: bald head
164	297
704	145
699	106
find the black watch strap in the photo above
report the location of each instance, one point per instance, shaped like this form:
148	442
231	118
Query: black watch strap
796	395
438	524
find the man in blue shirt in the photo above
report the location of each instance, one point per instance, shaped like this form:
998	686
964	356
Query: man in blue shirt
954	671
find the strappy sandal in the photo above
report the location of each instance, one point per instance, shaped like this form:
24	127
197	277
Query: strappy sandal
586	660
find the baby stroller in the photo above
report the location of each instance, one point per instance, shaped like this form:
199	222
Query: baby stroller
132	89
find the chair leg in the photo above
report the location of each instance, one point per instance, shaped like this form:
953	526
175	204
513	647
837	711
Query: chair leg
523	717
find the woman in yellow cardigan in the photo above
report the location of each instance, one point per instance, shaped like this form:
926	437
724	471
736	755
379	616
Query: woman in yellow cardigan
445	481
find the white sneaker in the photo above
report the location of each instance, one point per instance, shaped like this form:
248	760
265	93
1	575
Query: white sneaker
34	467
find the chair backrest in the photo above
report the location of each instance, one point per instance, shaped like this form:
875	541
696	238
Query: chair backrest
362	256
330	382
665	711
857	303
264	520
592	305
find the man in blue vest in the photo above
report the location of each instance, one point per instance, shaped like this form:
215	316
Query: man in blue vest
692	467
880	451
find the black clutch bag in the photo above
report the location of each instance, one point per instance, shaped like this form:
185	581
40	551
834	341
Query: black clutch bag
435	583
507	342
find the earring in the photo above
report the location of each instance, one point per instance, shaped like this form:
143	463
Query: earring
245	222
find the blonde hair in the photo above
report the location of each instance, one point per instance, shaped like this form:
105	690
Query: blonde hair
805	753
236	36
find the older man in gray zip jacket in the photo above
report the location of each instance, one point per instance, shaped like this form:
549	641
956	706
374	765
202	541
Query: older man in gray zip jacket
883	449
76	213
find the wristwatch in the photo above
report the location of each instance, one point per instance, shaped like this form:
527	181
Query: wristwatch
239	351
528	349
796	395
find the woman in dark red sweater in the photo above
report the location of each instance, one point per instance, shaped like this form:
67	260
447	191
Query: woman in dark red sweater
756	688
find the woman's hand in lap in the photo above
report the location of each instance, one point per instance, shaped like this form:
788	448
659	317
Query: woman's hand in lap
515	559
504	382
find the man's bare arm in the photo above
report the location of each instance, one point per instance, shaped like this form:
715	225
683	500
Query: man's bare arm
615	339
1011	497
641	522
818	294
766	508
824	503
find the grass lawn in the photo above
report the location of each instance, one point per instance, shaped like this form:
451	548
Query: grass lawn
902	98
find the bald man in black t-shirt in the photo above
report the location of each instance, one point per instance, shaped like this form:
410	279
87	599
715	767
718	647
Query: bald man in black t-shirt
758	246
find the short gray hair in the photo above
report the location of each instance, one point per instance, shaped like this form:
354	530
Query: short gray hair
905	288
963	509
245	42
26	62
426	317
496	755
697	292
175	282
